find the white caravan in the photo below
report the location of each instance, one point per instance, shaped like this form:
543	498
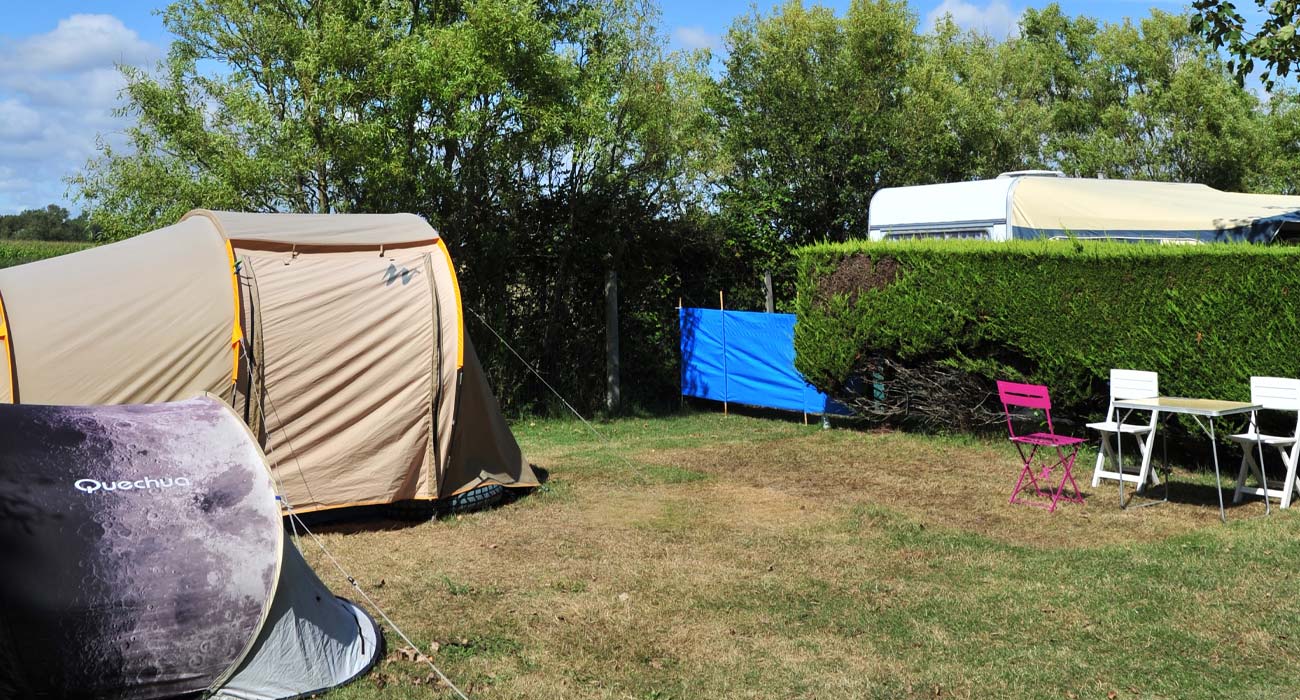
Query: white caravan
1047	204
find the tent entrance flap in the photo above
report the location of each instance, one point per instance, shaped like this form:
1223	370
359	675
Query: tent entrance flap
345	340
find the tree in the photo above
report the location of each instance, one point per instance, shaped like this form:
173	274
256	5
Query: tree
807	108
1273	43
818	112
53	223
1148	101
1275	166
548	141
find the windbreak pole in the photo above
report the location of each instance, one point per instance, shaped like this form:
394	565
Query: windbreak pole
726	383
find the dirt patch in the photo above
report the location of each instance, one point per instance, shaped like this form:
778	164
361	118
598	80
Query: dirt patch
857	274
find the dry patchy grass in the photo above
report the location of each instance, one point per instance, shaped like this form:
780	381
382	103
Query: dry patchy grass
709	557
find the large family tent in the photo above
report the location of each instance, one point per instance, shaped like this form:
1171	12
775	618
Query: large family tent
339	338
1048	205
144	557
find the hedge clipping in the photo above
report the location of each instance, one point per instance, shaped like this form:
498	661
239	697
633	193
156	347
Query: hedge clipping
917	331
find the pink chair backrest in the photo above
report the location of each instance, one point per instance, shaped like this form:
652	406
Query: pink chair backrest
1025	396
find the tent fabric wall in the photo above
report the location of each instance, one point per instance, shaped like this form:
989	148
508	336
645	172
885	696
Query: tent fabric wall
140	544
312	641
483	451
745	357
326	230
145	320
1050	206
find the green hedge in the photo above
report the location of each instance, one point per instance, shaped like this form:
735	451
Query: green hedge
18	252
945	318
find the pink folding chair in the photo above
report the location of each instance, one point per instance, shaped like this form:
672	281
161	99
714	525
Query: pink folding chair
1039	465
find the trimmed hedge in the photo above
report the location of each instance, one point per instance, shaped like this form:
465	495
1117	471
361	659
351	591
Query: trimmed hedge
919	330
13	252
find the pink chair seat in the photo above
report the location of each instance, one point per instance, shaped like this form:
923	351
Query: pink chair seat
1046	439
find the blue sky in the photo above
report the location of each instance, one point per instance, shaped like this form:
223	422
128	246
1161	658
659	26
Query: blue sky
58	84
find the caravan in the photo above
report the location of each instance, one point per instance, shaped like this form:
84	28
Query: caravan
1047	204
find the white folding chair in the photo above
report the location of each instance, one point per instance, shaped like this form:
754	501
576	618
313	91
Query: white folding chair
1274	394
1127	384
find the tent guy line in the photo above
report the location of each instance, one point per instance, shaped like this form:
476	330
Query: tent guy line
295	522
608	443
248	364
373	605
537	374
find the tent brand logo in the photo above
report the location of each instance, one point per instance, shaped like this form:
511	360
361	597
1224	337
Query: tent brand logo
93	485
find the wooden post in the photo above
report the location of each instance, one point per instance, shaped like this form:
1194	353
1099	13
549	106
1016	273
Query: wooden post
681	398
726	380
767	284
612	398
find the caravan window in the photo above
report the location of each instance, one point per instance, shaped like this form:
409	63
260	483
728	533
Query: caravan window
977	234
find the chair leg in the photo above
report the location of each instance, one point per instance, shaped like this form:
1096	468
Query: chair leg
1067	464
1289	486
1247	464
1102	455
1026	470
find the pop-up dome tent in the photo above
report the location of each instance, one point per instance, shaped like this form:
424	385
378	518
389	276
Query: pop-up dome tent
339	338
144	557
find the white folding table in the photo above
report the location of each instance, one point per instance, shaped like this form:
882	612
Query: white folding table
1209	409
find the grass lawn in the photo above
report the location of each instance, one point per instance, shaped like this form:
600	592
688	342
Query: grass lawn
705	556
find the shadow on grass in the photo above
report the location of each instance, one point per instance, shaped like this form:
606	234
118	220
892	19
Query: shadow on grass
1179	492
407	514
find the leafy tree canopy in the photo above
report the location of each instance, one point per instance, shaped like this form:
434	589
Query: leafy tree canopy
1272	43
53	223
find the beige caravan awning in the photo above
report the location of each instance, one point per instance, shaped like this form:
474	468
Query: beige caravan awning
1050	206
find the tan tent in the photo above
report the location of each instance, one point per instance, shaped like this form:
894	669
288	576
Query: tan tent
339	338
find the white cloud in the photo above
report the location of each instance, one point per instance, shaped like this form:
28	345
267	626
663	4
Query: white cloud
996	19
695	37
17	120
81	42
58	91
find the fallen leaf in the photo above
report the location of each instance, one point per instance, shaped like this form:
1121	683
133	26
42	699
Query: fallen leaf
1112	695
623	597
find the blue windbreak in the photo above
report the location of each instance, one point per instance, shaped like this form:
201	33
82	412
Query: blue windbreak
748	358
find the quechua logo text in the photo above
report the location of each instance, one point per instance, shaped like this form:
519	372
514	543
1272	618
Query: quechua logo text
149	484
